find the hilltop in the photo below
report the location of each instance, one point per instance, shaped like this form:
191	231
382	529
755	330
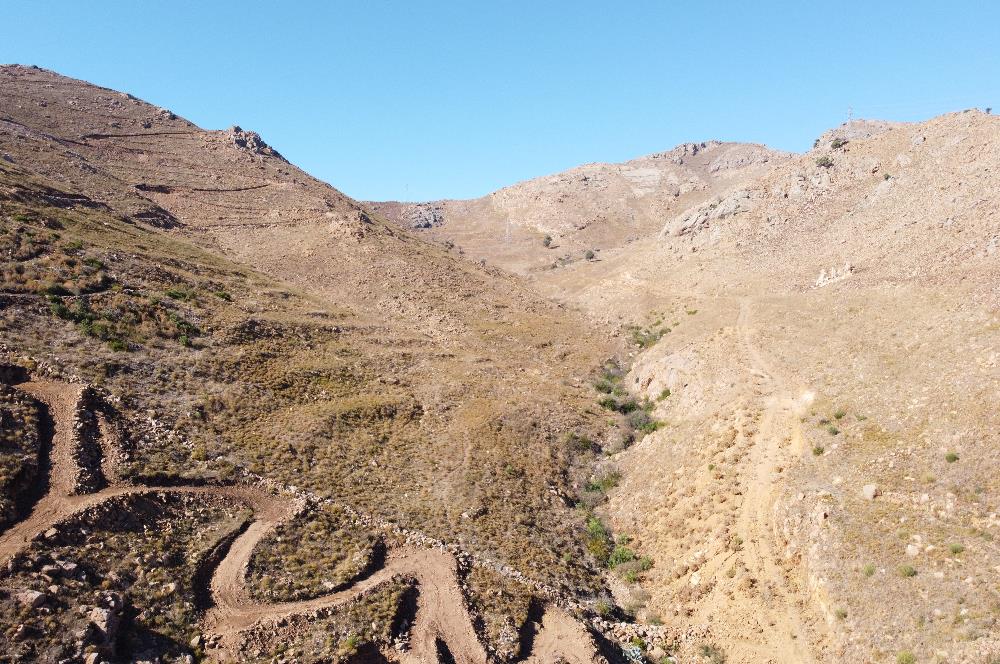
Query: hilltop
595	206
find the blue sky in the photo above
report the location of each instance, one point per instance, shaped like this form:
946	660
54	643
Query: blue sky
422	100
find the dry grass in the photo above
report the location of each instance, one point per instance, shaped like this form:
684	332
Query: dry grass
349	633
20	445
316	553
307	394
502	607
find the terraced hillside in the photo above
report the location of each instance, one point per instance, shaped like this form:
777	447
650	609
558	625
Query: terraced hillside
234	321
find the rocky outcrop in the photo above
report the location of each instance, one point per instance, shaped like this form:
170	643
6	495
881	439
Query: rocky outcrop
251	142
426	215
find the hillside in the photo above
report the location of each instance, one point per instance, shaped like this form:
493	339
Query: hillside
715	404
232	322
820	339
593	207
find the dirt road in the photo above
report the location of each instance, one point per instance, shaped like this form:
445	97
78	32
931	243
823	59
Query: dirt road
788	640
441	614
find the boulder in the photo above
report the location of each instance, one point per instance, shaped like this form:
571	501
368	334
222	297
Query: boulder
31	598
52	571
871	491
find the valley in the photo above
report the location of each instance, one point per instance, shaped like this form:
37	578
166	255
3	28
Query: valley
720	403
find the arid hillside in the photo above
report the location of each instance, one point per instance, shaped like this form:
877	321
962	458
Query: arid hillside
820	340
185	311
716	404
554	220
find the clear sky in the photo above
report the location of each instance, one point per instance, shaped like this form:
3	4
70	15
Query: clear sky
418	100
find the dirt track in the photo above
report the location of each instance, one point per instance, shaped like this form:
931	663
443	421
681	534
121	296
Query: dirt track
755	524
441	609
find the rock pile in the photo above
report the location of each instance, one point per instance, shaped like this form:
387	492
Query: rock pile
86	450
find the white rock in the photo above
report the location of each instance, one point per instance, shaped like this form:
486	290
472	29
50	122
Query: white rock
31	598
870	491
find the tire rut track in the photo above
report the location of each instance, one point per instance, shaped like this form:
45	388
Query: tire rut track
755	524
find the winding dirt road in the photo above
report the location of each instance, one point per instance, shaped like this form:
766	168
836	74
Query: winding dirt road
441	614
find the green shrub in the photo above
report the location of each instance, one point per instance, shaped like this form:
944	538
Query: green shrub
956	548
818	450
605	482
907	571
547	241
627	406
824	162
951	457
179	294
664	394
604	386
906	657
868	570
620	555
598	540
837	143
644	338
589	255
641	421
596	528
833	430
609	402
